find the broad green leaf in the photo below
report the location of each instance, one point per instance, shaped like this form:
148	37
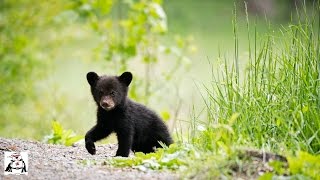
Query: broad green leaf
57	128
71	140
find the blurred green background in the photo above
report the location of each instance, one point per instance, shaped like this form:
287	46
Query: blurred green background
47	47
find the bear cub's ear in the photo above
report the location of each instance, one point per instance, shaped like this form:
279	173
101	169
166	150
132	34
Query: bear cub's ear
126	78
92	78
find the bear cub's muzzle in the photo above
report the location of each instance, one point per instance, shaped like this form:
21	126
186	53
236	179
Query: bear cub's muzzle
107	103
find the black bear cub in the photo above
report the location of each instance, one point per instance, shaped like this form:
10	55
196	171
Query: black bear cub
137	127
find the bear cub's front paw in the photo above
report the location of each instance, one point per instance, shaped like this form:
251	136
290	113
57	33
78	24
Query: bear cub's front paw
91	147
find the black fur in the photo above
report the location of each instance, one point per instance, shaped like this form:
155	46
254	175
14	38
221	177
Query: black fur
137	127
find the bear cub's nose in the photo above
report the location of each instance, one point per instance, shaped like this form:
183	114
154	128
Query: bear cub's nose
107	104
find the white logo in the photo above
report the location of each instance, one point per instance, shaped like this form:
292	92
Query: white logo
15	163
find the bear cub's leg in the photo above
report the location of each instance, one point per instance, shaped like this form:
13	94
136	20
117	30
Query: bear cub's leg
124	144
96	133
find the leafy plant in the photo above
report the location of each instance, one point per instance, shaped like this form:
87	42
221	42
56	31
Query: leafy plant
216	137
305	164
173	157
300	166
61	136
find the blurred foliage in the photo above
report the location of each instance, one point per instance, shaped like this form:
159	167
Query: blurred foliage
131	30
23	26
17	55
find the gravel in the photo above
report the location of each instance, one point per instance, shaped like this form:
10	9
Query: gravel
48	161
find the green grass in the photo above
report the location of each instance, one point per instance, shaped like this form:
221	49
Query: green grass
272	104
275	98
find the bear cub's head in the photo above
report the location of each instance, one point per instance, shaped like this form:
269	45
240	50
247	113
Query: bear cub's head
109	92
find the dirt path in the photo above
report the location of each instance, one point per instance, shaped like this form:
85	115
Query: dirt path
60	162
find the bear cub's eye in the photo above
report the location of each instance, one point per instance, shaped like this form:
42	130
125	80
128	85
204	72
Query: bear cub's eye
99	91
112	93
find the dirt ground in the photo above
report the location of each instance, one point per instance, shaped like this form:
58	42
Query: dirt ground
46	161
